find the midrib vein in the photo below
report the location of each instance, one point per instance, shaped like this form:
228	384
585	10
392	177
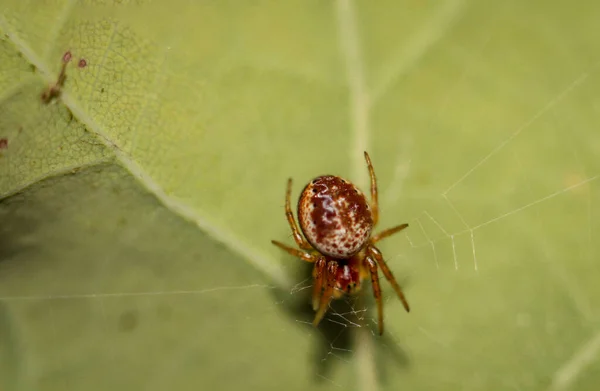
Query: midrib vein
349	41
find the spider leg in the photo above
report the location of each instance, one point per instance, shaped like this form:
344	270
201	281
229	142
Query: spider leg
374	201
375	253
302	243
318	272
328	293
376	291
388	232
295	252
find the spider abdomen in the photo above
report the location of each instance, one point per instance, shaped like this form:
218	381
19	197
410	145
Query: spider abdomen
334	216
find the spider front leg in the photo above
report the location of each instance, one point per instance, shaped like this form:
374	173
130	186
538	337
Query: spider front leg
302	243
376	291
388	232
374	201
295	252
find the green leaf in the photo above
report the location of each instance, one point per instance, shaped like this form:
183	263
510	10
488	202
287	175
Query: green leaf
137	208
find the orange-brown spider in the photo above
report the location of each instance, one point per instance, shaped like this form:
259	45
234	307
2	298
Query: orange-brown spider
336	220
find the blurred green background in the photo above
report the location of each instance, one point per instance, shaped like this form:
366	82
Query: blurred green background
136	211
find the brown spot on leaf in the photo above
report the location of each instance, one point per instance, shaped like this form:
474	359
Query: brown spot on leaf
53	91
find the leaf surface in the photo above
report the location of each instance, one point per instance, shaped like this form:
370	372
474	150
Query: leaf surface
137	208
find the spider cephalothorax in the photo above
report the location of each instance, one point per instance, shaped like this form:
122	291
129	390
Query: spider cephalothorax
337	221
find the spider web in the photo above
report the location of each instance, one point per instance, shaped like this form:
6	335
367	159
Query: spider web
449	234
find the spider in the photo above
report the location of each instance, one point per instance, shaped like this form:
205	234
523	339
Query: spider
337	220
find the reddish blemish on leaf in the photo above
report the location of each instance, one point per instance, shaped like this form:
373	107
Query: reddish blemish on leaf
53	90
3	143
82	63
